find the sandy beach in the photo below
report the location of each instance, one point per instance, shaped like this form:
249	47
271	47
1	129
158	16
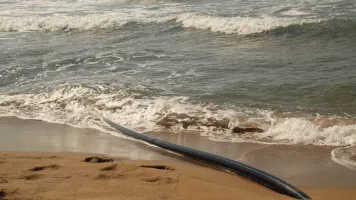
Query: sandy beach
270	84
40	160
84	176
68	176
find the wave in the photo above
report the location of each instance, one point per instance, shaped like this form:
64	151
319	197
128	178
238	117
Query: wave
67	23
345	156
331	27
237	25
84	106
116	20
302	131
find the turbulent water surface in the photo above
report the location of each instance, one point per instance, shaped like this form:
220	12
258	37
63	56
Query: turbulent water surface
287	67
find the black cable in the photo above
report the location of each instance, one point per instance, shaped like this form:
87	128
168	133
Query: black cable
241	169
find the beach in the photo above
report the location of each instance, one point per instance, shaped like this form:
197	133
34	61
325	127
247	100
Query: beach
268	83
72	178
68	176
50	164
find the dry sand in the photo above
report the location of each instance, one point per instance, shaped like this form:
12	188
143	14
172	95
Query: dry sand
68	176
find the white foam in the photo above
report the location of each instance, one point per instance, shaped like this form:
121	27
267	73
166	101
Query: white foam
81	15
117	19
302	131
239	25
345	156
68	23
85	106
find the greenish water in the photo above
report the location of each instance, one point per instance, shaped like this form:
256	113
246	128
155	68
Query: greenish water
287	67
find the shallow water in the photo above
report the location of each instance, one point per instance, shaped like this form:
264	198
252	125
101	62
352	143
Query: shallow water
284	66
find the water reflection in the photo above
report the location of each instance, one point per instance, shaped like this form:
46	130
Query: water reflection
38	136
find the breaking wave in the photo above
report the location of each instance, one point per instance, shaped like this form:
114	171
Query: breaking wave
116	20
85	106
72	23
237	25
302	131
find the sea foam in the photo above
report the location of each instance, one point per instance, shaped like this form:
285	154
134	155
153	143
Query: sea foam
85	106
302	131
116	20
345	156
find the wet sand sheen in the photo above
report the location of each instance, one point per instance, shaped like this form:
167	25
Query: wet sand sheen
300	165
306	167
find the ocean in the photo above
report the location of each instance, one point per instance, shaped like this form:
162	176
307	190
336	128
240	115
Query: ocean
193	66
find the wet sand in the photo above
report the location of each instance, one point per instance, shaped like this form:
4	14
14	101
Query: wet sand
38	136
300	165
307	167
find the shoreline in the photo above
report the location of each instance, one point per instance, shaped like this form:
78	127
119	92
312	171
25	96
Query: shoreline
299	165
29	135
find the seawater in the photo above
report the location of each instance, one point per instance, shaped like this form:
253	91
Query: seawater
287	67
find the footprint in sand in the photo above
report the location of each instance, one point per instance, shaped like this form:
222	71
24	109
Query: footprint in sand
2	181
161	167
160	179
108	168
40	168
111	176
32	177
5	192
2	193
96	159
102	177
